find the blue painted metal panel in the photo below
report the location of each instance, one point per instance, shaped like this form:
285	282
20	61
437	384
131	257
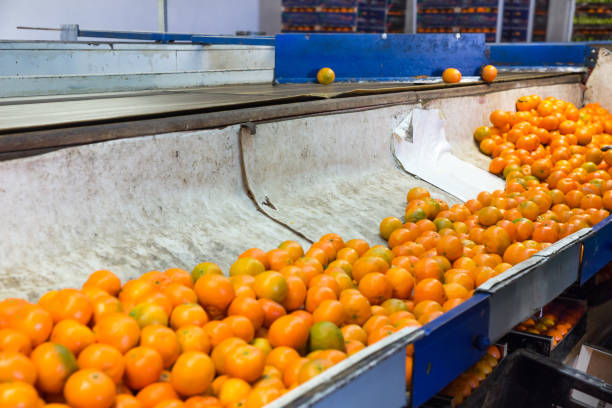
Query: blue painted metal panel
539	54
384	386
376	57
452	343
173	37
597	249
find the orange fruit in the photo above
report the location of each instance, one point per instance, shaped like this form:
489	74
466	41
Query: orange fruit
488	73
105	305
89	389
290	331
241	327
311	369
388	225
281	357
271	285
376	288
246	266
248	307
278	258
105	280
118	330
496	240
32	320
234	390
14	340
203	402
450	247
179	276
451	75
245	362
271	311
192	373
217	331
54	364
18	394
104	358
170	403
143	366
215	293
73	335
179	294
193	338
148	313
150	395
70	304
205	268
401	282
363	266
126	401
357	308
429	289
316	295
427	268
15	366
296	293
260	397
163	340
294	248
188	314
331	311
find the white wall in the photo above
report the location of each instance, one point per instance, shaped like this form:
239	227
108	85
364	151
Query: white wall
184	16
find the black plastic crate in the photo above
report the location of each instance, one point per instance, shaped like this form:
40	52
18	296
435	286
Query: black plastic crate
543	344
478	19
300	19
527	379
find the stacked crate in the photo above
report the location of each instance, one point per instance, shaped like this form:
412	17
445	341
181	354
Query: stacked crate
516	21
592	20
327	16
458	16
380	16
540	21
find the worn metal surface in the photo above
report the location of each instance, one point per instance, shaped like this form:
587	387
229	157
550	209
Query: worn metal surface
514	295
47	68
332	172
529	285
376	57
598	87
437	359
460	126
170	200
380	367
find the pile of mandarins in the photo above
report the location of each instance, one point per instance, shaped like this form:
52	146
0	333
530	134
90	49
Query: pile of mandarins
202	339
468	381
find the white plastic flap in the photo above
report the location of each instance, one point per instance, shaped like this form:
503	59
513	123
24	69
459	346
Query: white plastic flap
421	147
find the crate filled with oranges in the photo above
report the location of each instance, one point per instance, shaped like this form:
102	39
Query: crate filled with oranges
553	331
458	391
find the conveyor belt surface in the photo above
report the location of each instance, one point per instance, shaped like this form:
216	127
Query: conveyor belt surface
17	114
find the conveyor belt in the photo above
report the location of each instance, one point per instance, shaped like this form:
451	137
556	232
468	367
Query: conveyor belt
53	111
37	124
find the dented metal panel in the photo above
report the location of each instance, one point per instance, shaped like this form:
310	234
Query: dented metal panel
330	173
170	200
529	285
